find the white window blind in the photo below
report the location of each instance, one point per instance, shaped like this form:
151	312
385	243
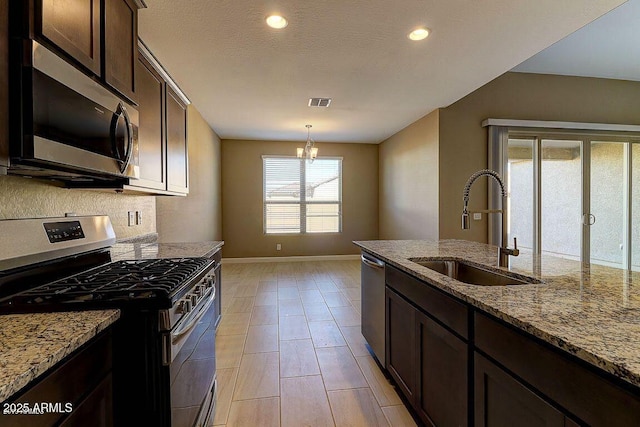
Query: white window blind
302	197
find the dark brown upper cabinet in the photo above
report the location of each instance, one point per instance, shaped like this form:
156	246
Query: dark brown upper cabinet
121	45
177	160
75	27
162	130
98	36
152	154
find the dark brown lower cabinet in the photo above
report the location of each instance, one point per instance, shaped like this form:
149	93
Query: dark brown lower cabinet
442	368
4	86
500	400
80	384
458	366
428	363
96	409
593	397
401	347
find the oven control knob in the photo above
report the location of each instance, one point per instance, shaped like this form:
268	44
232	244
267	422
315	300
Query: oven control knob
207	282
194	300
200	290
185	306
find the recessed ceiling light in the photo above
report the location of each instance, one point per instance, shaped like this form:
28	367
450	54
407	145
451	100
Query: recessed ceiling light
277	21
419	34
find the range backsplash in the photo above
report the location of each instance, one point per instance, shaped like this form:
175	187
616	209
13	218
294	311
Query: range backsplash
30	198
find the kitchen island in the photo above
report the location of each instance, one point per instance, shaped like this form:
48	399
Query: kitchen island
587	316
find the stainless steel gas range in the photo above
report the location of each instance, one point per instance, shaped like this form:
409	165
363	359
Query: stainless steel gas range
164	364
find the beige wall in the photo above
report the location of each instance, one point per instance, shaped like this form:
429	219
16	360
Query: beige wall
409	182
463	141
30	198
198	216
242	200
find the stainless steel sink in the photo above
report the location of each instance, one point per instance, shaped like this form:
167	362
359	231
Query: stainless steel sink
470	274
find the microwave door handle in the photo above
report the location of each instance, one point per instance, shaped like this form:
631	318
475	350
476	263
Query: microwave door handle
124	159
129	151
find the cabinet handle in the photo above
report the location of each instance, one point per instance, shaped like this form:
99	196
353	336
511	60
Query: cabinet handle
372	263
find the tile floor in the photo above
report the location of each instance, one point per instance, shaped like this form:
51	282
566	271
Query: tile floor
290	351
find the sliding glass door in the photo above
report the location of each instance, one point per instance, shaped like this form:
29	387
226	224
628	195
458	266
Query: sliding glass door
519	182
608	201
572	195
561	197
635	206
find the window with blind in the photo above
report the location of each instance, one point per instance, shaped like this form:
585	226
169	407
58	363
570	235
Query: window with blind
301	196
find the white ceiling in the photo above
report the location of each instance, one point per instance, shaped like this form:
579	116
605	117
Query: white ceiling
252	82
609	47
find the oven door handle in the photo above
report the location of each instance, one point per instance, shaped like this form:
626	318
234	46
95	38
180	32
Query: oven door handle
189	323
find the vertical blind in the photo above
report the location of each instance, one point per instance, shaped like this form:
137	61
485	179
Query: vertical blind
301	196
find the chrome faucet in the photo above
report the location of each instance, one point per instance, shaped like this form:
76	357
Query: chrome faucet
503	250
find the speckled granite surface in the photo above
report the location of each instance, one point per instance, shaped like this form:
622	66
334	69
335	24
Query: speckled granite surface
144	238
592	312
121	251
32	343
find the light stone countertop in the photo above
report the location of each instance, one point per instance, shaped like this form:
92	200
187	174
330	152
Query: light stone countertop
121	251
30	344
592	312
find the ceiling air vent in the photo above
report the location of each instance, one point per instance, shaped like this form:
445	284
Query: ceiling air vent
319	102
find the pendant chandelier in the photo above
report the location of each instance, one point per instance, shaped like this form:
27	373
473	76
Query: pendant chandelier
309	152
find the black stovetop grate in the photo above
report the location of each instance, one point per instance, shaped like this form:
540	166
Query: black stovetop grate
119	281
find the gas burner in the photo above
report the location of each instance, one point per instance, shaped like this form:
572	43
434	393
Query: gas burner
128	281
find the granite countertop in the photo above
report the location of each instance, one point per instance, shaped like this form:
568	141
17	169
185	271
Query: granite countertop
32	343
592	312
121	251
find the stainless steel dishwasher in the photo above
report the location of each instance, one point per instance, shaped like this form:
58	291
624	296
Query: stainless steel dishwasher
373	305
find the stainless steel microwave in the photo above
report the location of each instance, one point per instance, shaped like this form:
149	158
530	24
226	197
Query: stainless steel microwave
69	126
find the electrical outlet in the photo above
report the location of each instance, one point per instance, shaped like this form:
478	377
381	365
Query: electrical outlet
278	247
138	217
132	218
477	216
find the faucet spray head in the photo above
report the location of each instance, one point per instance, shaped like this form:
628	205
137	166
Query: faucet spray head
466	224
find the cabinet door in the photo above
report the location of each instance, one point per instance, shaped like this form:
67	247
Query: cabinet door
96	410
150	91
4	86
401	339
500	400
74	26
442	374
120	44
177	161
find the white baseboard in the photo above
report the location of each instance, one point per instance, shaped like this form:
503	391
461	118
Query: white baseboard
291	259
